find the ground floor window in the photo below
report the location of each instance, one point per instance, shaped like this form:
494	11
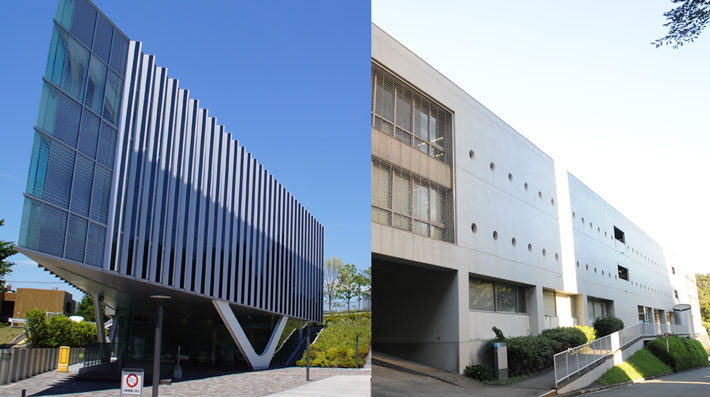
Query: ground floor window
599	308
496	296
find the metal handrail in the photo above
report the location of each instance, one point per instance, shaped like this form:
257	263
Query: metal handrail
572	361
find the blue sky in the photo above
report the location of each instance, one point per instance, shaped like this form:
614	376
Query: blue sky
583	83
290	79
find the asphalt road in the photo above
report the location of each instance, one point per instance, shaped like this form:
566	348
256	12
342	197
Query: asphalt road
687	384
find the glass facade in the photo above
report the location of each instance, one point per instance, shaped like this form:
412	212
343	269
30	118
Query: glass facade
71	168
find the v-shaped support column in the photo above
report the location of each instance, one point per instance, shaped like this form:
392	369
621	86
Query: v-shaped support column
256	361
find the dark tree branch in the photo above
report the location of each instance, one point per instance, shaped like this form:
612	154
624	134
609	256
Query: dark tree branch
685	22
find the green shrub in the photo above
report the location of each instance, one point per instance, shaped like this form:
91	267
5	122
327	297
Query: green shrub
479	372
607	325
335	346
640	365
529	354
57	331
589	332
564	338
683	353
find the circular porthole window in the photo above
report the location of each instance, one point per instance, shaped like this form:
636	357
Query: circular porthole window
577	263
552	201
495	235
474	228
544	252
471	154
557	257
574	215
493	167
539	194
530	247
510	177
513	241
526	186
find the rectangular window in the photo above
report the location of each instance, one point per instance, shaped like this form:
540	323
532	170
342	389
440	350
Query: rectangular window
106	151
76	237
100	196
102	40
399	110
53	223
112	101
59	115
496	296
81	189
623	273
89	135
409	202
619	235
549	303
68	63
95	245
119	52
481	295
95	85
78	17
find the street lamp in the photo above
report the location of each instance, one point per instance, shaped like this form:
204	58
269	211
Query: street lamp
158	336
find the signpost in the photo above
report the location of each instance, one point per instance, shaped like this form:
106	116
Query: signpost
63	361
132	382
667	334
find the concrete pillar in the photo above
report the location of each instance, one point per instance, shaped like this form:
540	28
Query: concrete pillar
99	315
581	308
536	309
463	319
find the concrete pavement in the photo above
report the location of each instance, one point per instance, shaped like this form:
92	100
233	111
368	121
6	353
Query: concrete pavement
694	383
287	381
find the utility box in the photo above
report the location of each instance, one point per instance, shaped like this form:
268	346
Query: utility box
500	355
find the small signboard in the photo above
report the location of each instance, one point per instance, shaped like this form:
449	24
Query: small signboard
666	334
63	361
132	382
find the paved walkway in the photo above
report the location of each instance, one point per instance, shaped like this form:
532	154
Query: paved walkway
248	384
395	377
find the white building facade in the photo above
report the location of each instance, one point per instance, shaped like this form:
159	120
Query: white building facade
473	226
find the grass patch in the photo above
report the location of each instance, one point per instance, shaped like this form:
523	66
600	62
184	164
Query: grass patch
7	334
640	365
684	353
335	346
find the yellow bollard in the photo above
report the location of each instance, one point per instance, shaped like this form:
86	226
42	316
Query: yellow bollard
63	363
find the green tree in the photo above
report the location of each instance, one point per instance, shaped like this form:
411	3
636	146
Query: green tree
85	308
331	278
57	331
7	249
703	282
363	280
347	284
685	22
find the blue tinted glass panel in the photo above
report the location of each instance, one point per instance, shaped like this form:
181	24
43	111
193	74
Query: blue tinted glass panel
95	245
112	103
95	85
82	23
38	165
67	64
119	52
59	115
81	190
76	237
89	136
102	40
65	11
52	225
107	145
29	230
100	196
60	168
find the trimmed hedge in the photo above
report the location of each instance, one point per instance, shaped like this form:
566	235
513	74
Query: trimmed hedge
529	354
589	332
684	353
640	365
57	331
564	338
607	325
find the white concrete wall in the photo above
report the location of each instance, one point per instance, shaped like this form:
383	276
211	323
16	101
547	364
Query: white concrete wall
497	200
